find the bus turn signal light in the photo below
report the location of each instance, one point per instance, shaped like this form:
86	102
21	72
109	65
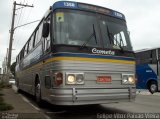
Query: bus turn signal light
58	79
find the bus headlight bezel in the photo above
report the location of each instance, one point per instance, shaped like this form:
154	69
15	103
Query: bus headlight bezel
80	79
128	79
74	78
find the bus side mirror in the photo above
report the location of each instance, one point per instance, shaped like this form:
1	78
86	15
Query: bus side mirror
45	31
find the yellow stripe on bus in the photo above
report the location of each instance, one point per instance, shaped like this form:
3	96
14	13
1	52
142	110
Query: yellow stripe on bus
40	64
89	59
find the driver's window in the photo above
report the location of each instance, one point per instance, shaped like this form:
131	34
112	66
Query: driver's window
123	38
119	39
47	40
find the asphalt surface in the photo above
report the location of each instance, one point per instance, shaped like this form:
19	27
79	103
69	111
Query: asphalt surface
144	103
25	104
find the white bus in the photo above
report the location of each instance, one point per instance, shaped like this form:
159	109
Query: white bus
78	54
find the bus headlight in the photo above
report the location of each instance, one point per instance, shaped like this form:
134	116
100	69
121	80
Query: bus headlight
128	79
131	80
80	79
71	79
74	78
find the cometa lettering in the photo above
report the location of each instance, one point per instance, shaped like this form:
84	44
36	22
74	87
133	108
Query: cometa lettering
104	52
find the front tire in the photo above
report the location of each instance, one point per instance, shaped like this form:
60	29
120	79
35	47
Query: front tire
153	87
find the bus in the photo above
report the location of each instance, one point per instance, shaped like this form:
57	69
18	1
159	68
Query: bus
79	54
148	69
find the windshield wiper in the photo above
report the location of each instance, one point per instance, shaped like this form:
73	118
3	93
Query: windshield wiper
111	39
94	33
90	37
109	36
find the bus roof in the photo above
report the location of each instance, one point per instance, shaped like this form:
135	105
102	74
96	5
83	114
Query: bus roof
87	7
146	49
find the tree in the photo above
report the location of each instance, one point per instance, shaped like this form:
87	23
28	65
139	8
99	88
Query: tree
13	68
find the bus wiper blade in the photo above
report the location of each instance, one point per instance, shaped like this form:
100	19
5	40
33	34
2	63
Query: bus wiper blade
90	37
94	33
109	36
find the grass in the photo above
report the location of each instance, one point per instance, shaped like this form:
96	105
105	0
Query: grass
4	106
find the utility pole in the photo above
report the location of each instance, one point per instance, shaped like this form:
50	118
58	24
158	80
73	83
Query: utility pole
6	62
11	34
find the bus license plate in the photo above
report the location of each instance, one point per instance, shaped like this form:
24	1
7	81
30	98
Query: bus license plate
104	79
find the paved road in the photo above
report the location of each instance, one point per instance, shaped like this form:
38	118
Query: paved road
144	103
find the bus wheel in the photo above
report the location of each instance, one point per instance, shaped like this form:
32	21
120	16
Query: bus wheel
38	92
153	87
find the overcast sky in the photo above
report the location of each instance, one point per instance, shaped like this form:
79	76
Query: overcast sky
143	20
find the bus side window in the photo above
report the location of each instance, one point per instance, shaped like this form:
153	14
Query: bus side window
36	37
31	43
22	54
38	34
159	54
47	40
16	60
26	50
40	31
47	44
146	57
33	39
153	57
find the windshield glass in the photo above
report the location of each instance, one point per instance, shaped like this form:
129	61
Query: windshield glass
76	28
114	33
73	27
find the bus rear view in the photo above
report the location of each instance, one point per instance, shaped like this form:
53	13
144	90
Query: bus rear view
89	58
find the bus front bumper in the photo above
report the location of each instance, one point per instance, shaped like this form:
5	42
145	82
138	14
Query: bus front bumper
83	96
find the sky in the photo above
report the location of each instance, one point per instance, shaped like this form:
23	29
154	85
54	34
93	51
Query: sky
142	16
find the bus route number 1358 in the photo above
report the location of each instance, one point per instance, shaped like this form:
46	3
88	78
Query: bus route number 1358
69	4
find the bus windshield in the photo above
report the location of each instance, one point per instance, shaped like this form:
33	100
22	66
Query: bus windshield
114	33
73	27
